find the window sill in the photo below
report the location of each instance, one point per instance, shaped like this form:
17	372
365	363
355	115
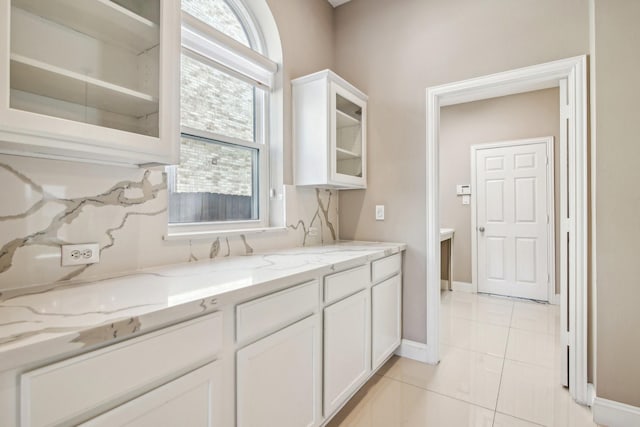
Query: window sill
173	235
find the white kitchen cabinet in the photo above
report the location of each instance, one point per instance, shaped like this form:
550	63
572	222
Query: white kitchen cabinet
347	349
92	80
329	132
386	305
192	400
278	378
77	389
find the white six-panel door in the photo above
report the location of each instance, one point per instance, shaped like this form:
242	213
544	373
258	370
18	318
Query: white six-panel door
512	205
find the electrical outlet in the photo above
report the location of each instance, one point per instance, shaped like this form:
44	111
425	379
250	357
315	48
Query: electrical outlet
379	212
86	253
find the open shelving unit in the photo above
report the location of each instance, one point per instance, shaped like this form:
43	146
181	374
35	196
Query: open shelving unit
91	80
329	131
345	120
91	61
39	78
101	19
348	138
346	154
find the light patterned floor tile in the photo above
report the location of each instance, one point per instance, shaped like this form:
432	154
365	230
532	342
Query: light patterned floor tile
462	374
535	317
475	336
480	308
502	420
532	393
526	392
533	347
385	402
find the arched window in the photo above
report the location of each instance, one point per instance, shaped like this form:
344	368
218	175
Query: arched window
223	179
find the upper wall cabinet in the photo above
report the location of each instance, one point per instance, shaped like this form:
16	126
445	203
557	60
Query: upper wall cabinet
329	132
94	80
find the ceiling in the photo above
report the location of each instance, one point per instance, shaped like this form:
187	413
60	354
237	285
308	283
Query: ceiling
336	3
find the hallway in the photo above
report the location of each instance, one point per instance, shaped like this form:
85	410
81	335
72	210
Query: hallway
499	367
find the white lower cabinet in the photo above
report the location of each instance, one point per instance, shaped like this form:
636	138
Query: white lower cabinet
300	353
278	378
385	319
192	400
79	388
347	349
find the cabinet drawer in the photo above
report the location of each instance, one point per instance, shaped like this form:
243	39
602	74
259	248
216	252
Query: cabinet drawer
385	267
272	312
64	391
345	283
192	400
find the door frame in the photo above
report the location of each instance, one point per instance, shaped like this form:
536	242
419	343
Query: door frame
551	247
536	77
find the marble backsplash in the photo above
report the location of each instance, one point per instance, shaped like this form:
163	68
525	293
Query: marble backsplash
48	203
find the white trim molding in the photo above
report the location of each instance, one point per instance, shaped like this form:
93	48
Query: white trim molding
615	414
462	287
591	394
412	350
573	71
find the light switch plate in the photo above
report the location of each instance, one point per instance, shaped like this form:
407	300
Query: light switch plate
379	212
466	199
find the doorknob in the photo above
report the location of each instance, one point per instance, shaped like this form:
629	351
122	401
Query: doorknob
481	229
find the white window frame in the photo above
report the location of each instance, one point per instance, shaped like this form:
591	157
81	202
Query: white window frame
210	46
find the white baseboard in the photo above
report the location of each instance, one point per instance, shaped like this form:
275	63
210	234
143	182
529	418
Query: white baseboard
591	394
462	286
412	350
615	414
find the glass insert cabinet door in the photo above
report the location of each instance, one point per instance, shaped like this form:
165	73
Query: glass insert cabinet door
91	70
348	129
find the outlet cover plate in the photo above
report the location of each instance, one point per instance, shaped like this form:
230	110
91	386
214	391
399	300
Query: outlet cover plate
85	253
379	212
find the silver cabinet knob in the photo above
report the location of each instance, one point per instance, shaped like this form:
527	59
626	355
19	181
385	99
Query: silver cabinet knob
481	229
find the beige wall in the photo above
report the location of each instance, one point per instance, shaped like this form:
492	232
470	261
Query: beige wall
393	51
307	35
617	91
527	115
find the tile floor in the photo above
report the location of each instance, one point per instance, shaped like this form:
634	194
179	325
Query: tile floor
499	367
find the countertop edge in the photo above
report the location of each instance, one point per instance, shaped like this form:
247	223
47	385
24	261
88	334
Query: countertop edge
64	344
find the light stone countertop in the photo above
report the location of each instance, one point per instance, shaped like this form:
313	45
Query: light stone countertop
51	321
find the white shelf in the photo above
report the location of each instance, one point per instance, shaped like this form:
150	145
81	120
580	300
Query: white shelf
100	19
30	75
345	120
343	154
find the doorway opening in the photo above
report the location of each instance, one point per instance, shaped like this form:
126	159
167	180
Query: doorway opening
570	76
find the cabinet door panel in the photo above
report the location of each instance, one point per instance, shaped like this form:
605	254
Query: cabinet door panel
385	319
348	137
192	400
102	378
347	349
278	379
91	80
